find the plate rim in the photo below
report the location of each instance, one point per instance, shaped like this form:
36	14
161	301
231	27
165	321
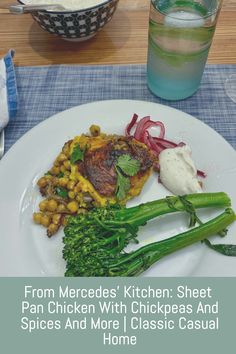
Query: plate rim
52	119
57	115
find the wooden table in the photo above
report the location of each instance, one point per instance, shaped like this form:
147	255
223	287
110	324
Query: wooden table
123	40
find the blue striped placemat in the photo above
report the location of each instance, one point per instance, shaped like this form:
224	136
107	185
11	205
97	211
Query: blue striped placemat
44	91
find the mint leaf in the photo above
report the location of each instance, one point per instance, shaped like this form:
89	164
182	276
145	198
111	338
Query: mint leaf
128	165
77	154
123	185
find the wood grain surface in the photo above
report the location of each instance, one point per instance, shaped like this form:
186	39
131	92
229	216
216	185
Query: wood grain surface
122	41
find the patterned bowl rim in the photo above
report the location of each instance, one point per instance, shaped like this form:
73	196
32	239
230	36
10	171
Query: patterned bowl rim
72	12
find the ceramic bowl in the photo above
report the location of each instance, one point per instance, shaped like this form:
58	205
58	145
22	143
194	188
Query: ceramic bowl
76	25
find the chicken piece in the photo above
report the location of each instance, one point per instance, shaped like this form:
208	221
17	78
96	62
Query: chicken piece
99	164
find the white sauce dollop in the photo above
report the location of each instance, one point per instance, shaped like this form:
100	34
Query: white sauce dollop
178	172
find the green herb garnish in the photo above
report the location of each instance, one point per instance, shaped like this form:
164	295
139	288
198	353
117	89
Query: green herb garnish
123	185
77	154
126	167
227	250
61	192
61	174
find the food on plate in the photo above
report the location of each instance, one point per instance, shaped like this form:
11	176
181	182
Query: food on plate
94	243
94	176
92	170
99	169
178	172
140	130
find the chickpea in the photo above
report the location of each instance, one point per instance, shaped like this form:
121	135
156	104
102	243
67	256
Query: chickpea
37	217
67	164
67	173
95	130
42	182
56	163
43	205
45	220
56	219
73	206
71	195
48	177
63	181
62	157
71	185
63	169
55	170
52	205
52	229
61	208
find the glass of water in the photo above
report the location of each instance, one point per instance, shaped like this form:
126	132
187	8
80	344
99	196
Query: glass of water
180	36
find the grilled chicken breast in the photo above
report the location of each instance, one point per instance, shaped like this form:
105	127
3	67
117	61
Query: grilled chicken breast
99	163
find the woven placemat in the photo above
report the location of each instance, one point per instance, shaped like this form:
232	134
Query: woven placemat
44	91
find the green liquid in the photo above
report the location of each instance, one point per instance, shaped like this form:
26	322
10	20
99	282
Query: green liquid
177	55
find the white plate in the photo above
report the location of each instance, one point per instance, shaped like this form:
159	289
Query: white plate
26	251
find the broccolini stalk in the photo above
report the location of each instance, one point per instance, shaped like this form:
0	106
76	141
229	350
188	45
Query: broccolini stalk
95	260
140	214
122	224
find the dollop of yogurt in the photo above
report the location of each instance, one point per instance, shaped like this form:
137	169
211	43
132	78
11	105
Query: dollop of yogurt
178	172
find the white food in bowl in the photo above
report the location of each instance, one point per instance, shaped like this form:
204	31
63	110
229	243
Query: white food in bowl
70	5
178	172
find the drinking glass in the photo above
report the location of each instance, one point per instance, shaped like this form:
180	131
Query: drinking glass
180	36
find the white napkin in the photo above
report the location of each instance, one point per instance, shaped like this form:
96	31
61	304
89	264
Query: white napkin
8	90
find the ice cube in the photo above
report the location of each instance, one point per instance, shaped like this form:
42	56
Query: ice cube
184	19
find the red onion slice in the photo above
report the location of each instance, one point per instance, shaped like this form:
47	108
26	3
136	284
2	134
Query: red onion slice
155	143
131	124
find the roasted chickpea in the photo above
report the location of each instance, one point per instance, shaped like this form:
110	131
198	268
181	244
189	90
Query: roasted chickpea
45	220
52	205
71	195
63	169
52	229
43	205
71	185
42	182
56	219
56	163
61	208
63	181
95	130
62	157
55	170
67	164
73	206
37	217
